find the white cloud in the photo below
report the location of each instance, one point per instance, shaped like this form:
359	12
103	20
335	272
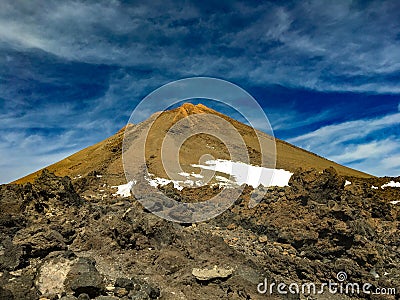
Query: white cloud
369	150
22	154
346	143
346	131
324	46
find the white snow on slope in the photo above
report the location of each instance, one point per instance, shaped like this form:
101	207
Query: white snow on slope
395	202
124	190
241	173
374	187
391	184
196	175
184	174
347	183
251	175
156	181
178	184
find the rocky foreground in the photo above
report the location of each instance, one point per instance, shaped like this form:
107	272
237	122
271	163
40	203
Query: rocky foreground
61	239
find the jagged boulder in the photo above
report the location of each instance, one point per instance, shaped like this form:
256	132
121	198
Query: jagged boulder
10	254
49	186
53	272
316	186
39	240
11	217
84	278
46	194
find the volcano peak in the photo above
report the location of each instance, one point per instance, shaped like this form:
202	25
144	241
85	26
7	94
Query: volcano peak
187	109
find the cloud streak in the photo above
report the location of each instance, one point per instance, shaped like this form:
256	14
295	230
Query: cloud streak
336	46
371	145
348	131
81	66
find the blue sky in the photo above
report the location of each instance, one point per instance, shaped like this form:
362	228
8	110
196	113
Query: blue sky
327	73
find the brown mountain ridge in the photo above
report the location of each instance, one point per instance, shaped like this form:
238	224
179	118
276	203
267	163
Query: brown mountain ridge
104	158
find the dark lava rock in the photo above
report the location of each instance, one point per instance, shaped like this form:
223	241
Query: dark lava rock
150	290
84	278
308	231
11	216
39	240
50	296
311	185
171	261
125	283
181	215
20	285
50	186
83	297
138	289
84	183
20	204
6	294
10	254
140	295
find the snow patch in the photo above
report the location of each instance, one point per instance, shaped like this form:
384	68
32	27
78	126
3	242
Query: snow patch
222	179
374	187
391	184
395	202
251	175
223	182
347	183
124	190
156	181
184	174
196	175
240	173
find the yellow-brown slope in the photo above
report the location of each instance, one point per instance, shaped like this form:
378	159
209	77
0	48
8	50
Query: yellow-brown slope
105	156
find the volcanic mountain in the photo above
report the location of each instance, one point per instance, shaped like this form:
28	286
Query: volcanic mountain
77	237
104	158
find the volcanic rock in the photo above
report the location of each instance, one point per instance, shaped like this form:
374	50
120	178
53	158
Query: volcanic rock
84	278
213	273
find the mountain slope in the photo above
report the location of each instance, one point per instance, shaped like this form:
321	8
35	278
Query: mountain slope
104	158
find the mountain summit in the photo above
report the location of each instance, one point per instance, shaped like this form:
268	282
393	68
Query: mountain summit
105	157
188	109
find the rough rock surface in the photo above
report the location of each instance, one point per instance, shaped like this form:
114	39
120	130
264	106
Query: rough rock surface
56	245
84	278
211	274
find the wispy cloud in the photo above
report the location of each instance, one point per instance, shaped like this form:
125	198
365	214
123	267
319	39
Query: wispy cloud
74	65
382	161
370	145
24	153
347	131
357	152
336	46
